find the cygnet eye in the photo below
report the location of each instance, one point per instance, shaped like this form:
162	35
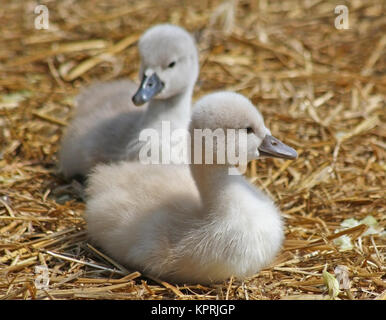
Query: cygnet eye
172	64
250	130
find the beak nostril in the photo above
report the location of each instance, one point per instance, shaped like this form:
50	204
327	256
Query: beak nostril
150	86
273	147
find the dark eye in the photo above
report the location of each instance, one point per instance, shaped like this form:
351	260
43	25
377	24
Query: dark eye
172	64
250	130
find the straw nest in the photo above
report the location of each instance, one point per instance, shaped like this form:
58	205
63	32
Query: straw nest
320	89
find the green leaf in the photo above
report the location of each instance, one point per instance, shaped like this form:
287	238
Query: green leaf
332	284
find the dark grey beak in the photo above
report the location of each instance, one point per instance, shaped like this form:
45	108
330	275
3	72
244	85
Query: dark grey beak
274	148
150	86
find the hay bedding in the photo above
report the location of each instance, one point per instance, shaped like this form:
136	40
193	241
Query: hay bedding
319	88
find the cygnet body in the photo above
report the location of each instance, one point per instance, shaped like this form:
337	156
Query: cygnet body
198	228
107	123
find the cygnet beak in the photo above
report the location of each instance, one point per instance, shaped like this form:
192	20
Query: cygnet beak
274	148
150	86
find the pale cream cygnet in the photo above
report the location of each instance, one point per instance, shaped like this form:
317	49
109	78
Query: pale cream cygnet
191	226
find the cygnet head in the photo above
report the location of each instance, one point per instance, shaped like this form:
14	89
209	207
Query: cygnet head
224	110
169	63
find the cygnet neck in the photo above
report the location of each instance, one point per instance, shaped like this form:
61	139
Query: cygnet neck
214	183
175	109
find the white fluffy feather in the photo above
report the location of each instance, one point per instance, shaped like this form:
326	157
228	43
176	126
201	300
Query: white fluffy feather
200	225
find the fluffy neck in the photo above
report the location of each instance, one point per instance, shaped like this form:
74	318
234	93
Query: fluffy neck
175	109
217	187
